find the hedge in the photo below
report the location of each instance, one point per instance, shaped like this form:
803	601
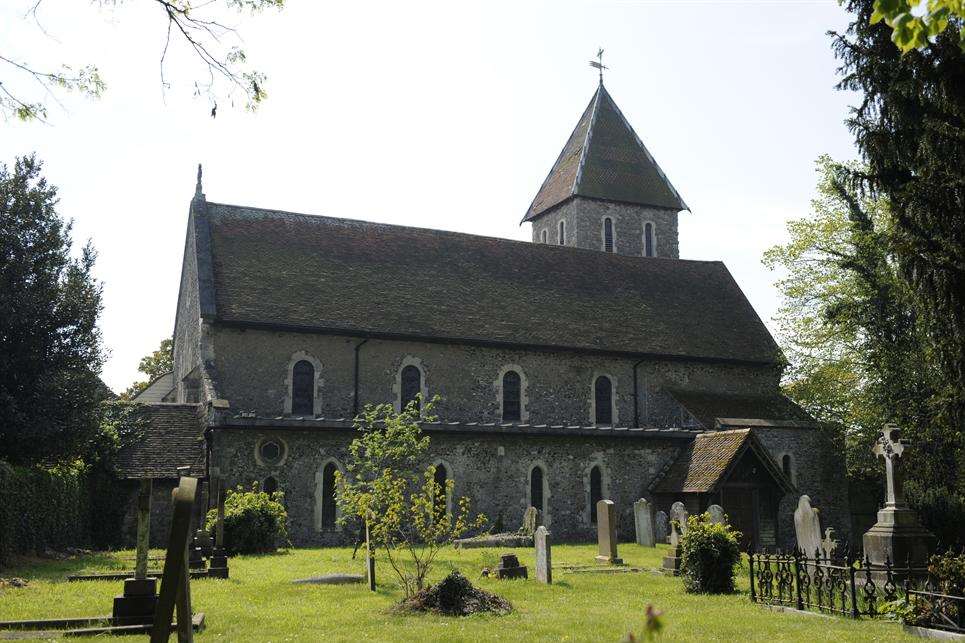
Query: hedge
43	508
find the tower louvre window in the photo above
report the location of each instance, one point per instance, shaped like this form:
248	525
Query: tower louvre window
648	240
603	395
410	386
543	236
562	233
608	234
303	388
512	407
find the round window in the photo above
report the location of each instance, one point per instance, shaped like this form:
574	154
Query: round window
270	451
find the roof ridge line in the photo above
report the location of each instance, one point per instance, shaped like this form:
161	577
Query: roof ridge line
586	140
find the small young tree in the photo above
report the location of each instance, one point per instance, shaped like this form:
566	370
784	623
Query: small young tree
404	507
710	552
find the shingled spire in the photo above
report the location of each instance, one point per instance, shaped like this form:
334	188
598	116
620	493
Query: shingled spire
605	159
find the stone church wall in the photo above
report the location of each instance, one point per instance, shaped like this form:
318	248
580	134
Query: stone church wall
254	376
584	225
493	470
187	340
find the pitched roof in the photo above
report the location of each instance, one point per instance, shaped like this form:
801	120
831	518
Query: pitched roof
605	159
707	407
158	389
281	270
172	438
709	458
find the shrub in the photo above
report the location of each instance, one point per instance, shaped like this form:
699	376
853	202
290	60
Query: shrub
709	554
949	570
254	521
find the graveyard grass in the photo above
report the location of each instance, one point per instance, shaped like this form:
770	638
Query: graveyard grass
259	602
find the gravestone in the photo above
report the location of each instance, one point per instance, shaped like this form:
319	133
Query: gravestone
544	558
509	567
530	521
661	527
175	591
717	515
898	536
643	520
679	513
828	545
137	604
671	562
807	527
606	532
218	567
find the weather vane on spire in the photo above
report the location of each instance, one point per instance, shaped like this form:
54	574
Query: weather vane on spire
598	63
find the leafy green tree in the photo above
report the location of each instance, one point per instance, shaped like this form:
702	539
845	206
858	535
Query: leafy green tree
401	503
50	347
193	25
910	129
914	23
153	365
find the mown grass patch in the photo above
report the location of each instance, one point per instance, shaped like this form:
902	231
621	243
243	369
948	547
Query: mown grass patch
259	602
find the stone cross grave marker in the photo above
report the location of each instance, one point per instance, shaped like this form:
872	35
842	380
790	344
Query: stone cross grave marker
544	557
175	584
807	527
717	515
829	544
643	521
679	513
890	447
661	527
606	532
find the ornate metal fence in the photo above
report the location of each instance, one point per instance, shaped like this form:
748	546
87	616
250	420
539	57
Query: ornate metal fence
938	611
849	587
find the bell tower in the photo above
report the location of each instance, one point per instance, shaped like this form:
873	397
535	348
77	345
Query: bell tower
606	192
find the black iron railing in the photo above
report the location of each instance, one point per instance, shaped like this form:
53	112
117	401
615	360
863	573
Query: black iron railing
848	586
935	610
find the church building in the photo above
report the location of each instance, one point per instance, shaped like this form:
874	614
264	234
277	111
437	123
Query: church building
592	362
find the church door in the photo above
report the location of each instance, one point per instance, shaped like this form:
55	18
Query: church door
742	512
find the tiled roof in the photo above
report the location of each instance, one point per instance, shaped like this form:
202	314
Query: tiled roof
172	438
159	388
707	407
605	159
282	270
707	460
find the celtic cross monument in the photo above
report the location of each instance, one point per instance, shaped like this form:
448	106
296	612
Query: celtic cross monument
898	534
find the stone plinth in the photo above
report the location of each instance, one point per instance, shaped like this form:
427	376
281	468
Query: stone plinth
136	605
509	567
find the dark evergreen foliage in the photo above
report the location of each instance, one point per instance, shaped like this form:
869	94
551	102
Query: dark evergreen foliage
910	128
50	346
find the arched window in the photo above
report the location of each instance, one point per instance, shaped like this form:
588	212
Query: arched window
270	485
562	234
536	489
786	465
544	236
649	242
603	395
512	390
608	234
440	478
328	496
596	490
303	388
410	386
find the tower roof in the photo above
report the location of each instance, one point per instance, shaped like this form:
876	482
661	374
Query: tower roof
605	159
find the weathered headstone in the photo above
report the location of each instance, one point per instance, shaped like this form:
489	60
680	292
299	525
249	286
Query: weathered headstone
509	567
643	521
898	536
679	513
530	521
137	604
671	562
544	558
175	586
661	527
807	527
717	515
606	532
828	545
218	567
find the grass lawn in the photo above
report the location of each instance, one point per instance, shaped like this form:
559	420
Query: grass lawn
259	602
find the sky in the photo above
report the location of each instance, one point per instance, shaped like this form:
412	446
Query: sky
445	115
